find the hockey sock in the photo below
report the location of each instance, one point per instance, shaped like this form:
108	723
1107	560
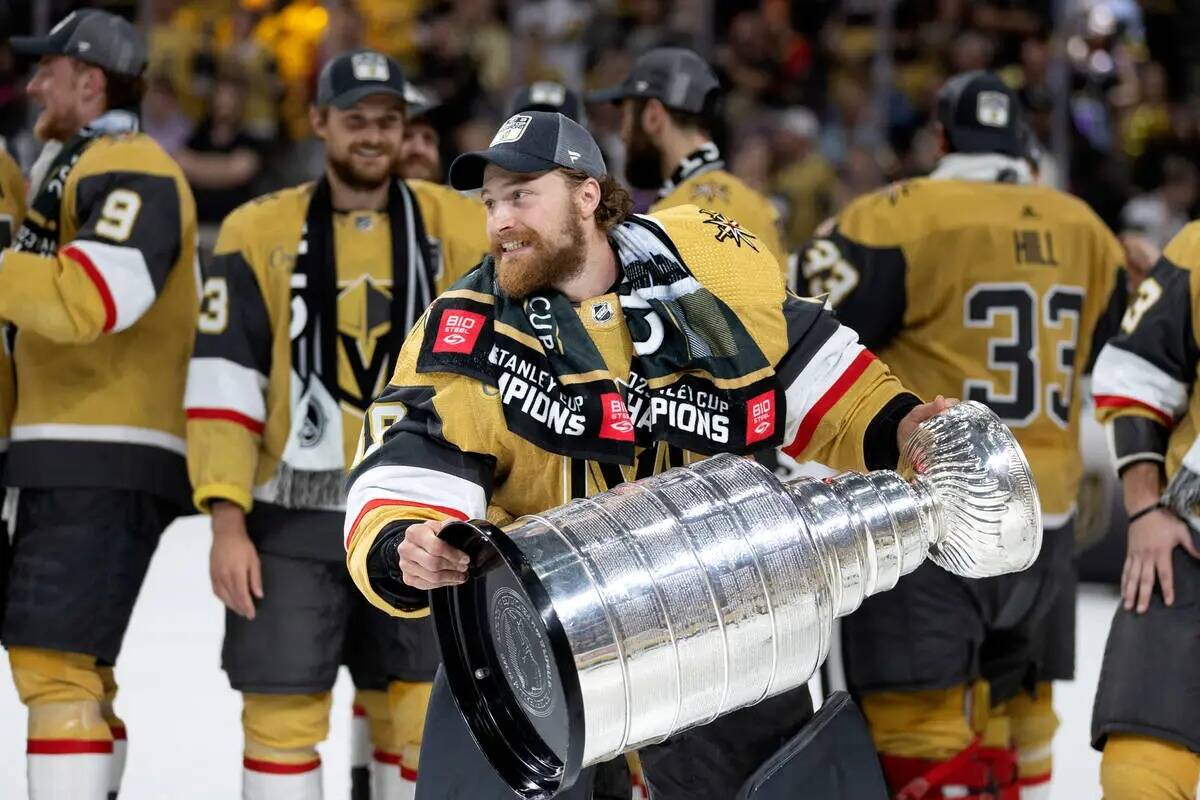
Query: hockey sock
1143	768
360	753
1033	724
116	726
69	751
282	732
407	703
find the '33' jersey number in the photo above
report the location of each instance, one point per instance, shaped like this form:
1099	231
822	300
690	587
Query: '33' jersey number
1055	314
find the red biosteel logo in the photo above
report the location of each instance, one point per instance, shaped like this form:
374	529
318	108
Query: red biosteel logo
458	331
616	423
760	417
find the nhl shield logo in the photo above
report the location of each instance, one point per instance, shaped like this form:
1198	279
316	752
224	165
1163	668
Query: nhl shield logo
602	311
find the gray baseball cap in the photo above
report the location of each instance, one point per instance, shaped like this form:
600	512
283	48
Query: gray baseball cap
533	141
549	96
676	76
360	73
94	36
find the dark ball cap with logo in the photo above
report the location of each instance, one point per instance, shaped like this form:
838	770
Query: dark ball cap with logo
360	73
981	114
534	141
549	96
95	37
676	76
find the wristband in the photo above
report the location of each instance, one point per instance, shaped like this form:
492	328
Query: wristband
1135	516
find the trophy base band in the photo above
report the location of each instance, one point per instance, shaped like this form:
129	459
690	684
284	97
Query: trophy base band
509	665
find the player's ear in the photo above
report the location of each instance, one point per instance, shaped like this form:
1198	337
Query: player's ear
318	118
654	116
588	193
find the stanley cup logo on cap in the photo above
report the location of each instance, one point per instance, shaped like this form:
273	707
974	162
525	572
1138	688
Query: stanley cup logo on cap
369	66
991	109
511	130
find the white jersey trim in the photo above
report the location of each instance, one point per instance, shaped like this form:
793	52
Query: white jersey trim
125	273
1120	373
818	376
115	434
221	383
415	485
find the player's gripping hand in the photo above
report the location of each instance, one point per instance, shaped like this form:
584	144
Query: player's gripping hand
233	564
427	562
919	414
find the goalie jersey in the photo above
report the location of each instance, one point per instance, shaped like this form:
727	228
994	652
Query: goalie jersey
473	423
985	291
1145	377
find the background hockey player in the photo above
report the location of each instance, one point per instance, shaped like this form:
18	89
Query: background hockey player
554	371
975	282
421	154
669	109
12	212
306	302
549	96
1145	718
100	284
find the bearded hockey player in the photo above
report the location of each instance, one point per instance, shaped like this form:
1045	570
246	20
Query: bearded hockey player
1145	718
592	348
306	302
975	282
101	287
669	106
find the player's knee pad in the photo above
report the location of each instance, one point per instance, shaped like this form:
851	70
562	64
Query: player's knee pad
1034	723
63	692
407	703
285	727
926	724
1143	768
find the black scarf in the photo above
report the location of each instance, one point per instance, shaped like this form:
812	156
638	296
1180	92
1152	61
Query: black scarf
706	158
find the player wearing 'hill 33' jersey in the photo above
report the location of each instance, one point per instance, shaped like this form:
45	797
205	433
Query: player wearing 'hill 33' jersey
592	348
976	282
307	299
1144	718
100	284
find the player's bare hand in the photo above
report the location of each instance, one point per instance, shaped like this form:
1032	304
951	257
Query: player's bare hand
925	411
1152	541
427	562
1140	256
233	564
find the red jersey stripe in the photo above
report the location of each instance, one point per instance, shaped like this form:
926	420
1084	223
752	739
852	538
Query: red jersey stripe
253	425
379	503
1117	401
808	425
110	306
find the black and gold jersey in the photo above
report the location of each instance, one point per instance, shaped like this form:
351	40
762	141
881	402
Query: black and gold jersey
103	295
12	212
985	291
1145	377
440	444
239	400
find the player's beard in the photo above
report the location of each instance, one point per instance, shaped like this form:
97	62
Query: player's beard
55	126
357	178
643	161
544	264
419	167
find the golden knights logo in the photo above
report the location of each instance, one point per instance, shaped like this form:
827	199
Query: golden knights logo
364	328
728	229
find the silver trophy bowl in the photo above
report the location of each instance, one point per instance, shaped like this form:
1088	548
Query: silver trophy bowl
616	621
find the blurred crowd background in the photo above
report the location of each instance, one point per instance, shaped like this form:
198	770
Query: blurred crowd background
825	99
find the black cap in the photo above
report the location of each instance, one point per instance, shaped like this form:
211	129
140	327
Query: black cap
549	96
535	141
360	73
676	76
97	37
421	101
981	115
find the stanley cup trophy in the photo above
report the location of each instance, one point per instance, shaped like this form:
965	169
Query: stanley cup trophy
616	621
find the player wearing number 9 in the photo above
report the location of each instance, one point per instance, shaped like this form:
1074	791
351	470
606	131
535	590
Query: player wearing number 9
975	282
100	284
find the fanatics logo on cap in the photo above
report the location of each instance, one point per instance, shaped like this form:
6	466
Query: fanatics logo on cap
512	130
369	66
760	417
616	423
458	331
991	109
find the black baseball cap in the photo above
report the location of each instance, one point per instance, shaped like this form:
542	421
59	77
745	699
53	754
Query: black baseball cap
981	115
549	96
96	37
360	73
533	141
676	76
421	101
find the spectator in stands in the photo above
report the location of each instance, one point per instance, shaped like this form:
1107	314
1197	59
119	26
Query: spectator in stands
803	179
221	159
162	118
1160	214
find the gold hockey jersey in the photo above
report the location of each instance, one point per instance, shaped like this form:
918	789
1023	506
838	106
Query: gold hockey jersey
993	292
445	445
702	180
102	291
1145	377
12	212
239	399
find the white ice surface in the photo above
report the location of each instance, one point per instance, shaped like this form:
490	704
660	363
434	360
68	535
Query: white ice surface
185	738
